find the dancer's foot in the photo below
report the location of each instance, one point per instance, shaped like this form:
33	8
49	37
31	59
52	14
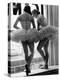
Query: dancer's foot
46	61
27	69
45	67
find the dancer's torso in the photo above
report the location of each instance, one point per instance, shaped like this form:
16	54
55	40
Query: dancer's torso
42	21
26	20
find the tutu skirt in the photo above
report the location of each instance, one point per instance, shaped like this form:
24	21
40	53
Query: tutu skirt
48	32
33	34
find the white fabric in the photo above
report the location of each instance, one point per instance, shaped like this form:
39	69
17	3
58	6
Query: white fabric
33	34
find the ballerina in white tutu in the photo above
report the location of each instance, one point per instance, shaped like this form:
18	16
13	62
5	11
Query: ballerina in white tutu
45	33
26	20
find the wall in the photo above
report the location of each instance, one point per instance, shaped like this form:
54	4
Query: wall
53	17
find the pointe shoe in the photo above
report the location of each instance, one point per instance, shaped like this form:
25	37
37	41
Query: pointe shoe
44	67
46	62
27	70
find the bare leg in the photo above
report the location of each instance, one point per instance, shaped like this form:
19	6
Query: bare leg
25	48
44	43
31	46
39	48
46	51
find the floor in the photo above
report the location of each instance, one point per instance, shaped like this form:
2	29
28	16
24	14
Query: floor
51	70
